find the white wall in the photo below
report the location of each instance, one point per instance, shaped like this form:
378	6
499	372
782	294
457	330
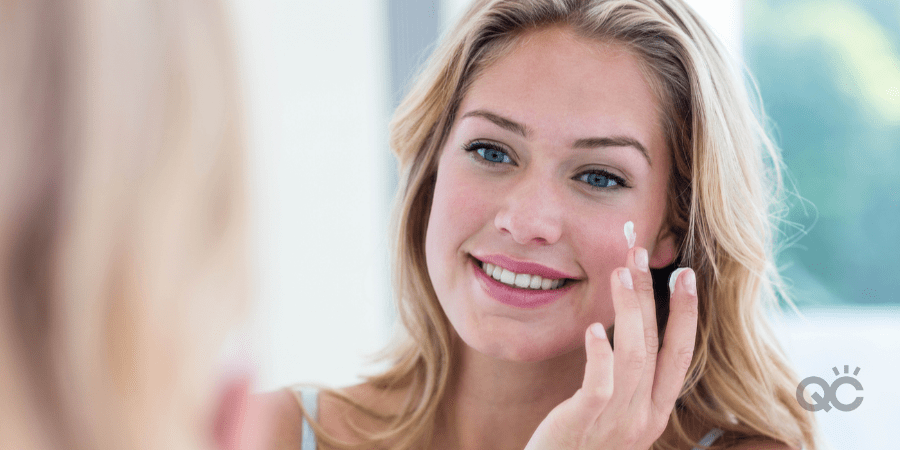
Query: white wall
316	97
867	338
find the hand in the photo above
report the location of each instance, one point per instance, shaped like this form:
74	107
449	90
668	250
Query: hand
628	394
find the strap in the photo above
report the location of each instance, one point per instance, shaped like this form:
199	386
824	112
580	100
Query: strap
710	437
311	405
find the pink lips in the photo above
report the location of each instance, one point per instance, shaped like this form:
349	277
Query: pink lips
524	267
518	297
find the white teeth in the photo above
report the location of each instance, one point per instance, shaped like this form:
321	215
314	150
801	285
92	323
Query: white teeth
520	280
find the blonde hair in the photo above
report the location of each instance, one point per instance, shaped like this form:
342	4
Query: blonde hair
724	203
122	210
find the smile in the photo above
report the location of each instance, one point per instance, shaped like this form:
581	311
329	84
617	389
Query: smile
514	289
521	280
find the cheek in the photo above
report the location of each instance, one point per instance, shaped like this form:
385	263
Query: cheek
600	246
459	209
600	239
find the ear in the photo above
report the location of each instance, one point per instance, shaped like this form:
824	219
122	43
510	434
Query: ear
663	251
241	420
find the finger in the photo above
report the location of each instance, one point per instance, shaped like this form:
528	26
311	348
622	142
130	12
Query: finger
629	353
597	387
637	262
678	343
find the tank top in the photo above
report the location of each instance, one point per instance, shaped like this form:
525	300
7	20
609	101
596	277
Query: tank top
310	399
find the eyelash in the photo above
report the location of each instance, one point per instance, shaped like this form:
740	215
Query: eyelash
474	146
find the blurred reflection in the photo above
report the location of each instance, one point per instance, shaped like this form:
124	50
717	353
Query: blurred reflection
122	227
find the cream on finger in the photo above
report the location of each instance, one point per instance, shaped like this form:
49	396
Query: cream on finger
674	277
630	236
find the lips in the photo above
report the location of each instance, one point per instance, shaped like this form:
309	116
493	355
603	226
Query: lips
519	297
520	280
524	267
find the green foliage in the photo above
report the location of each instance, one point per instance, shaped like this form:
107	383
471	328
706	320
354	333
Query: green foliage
829	75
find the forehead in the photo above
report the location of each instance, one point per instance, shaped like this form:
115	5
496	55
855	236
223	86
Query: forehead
558	83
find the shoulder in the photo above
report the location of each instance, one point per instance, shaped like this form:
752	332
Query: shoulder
696	427
286	418
336	416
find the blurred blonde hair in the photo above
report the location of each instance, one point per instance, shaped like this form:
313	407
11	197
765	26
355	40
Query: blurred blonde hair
122	221
724	204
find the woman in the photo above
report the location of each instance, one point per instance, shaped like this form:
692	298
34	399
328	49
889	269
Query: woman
537	132
122	236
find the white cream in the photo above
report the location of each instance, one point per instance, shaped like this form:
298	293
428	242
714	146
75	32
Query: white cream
674	277
629	233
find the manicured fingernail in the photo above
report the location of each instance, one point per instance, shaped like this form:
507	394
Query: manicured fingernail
674	277
629	233
625	278
640	259
598	331
690	282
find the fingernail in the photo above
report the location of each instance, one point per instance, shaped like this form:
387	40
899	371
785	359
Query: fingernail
625	278
674	277
640	259
629	233
690	282
598	331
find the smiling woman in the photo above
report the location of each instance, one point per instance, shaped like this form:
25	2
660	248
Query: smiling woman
545	196
537	131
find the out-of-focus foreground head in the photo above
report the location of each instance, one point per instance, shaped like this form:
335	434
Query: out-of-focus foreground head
122	225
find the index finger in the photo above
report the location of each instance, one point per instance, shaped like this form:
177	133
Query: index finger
678	343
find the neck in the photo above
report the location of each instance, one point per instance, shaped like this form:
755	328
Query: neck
488	394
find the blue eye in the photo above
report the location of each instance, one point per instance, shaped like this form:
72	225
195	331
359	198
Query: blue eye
489	153
602	180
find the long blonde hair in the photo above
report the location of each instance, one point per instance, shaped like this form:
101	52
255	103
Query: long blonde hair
122	209
724	203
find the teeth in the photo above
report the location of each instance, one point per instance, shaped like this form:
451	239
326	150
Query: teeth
520	280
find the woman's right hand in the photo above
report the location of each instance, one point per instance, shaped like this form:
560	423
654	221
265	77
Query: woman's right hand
628	394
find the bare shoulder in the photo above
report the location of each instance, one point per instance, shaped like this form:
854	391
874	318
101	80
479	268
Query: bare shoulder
341	419
336	416
287	419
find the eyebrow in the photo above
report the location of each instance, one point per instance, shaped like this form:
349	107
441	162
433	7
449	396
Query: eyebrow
613	141
585	143
501	122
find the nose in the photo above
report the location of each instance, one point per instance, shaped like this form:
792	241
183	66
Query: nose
531	212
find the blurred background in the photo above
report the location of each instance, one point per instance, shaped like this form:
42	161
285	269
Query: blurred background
321	82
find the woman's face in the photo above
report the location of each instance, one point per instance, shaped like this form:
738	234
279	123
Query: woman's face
555	146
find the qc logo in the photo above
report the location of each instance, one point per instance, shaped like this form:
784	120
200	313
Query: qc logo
830	392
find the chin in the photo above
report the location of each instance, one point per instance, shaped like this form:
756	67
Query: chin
515	348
